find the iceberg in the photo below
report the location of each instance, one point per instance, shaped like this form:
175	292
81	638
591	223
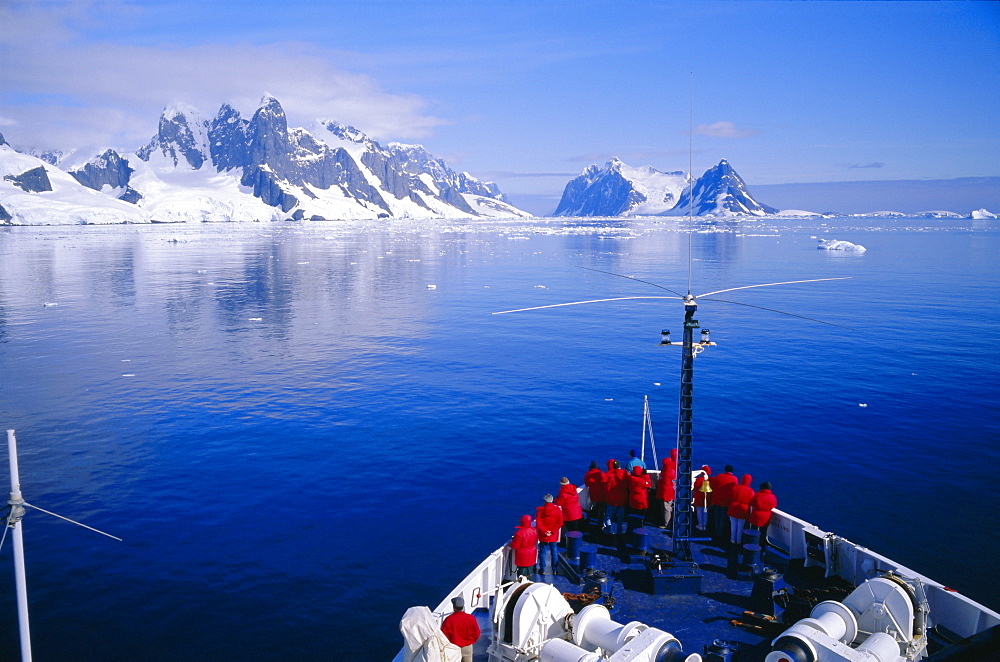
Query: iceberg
838	245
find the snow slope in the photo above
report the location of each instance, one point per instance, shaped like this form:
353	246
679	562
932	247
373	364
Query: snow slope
68	201
178	194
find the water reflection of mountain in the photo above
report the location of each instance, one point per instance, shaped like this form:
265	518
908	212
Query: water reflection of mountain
367	285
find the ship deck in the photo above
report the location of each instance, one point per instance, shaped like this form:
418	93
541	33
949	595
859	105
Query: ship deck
723	612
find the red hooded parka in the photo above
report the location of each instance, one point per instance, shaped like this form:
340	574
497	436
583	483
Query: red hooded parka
594	480
617	483
761	506
525	544
638	489
548	521
722	488
665	490
739	505
569	501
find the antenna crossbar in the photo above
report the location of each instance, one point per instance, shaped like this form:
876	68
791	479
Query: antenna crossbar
782	312
647	282
73	521
787	282
577	303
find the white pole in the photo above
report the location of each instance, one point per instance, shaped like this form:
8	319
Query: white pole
645	426
16	512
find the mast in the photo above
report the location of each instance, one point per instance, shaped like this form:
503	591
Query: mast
17	505
682	524
14	522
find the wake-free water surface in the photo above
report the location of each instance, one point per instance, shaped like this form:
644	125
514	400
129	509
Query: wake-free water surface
297	438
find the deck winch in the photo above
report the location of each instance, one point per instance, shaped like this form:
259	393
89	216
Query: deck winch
535	622
880	621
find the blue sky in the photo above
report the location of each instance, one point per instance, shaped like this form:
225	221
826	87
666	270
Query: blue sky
529	93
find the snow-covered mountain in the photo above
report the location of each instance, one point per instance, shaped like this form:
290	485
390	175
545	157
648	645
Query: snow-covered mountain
230	168
720	192
621	190
35	192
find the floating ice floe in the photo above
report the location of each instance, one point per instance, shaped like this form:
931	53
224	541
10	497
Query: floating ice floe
982	214
862	404
838	245
128	374
255	319
431	286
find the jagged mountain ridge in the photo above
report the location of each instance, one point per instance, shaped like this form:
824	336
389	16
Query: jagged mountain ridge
231	168
317	176
621	190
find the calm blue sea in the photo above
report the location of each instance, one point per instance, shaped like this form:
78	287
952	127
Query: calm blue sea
300	430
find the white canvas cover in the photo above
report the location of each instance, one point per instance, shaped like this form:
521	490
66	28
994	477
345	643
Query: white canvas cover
424	640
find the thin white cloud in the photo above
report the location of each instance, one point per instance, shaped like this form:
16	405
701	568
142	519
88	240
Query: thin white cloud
723	129
65	91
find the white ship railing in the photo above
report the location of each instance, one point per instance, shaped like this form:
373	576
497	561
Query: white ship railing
476	588
799	539
480	584
794	538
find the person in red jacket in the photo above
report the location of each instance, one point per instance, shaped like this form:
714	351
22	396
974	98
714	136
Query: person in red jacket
722	491
666	489
594	480
739	508
761	506
672	460
548	521
525	546
638	491
616	481
569	501
461	628
702	488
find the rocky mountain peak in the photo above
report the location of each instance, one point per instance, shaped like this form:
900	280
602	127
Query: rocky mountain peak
721	191
182	135
108	170
338	172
